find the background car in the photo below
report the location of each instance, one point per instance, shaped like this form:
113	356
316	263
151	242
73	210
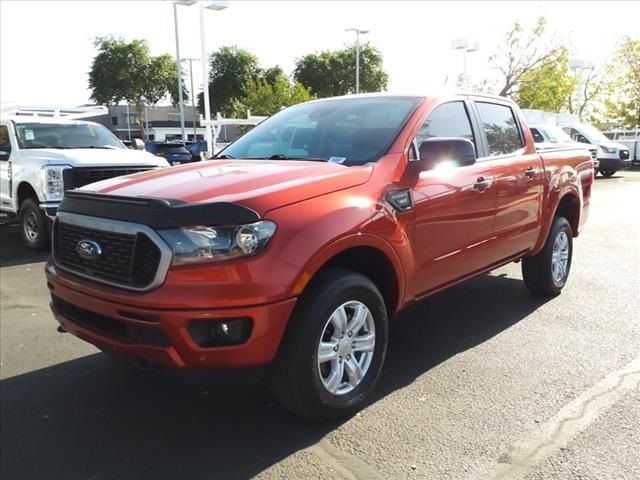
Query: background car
552	136
174	153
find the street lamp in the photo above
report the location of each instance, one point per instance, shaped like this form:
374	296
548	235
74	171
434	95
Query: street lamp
358	33
178	63
193	96
211	5
579	64
467	46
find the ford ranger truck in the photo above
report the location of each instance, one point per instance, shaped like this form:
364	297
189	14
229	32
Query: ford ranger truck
294	247
41	157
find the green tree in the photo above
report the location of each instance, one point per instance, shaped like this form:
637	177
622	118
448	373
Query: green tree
524	50
332	73
231	70
270	93
125	71
625	105
548	86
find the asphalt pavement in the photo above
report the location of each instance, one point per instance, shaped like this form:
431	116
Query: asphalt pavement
481	381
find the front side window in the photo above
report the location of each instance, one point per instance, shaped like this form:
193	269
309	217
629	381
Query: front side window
65	135
350	131
500	127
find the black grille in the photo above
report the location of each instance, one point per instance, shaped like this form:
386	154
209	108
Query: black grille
128	260
112	327
79	177
624	154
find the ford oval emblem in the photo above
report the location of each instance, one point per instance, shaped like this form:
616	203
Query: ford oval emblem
88	249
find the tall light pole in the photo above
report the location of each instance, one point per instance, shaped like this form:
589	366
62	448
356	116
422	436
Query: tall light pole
579	64
179	70
358	33
193	96
467	46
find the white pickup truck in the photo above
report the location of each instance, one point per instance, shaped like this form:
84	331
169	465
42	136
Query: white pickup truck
45	152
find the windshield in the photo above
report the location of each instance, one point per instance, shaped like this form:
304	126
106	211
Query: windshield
66	135
593	133
557	135
350	131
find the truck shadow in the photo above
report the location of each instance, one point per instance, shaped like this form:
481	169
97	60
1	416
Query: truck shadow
88	418
13	251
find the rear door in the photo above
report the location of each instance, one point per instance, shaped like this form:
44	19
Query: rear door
518	174
454	208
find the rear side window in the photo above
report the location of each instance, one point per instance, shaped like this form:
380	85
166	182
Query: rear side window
447	120
500	127
537	136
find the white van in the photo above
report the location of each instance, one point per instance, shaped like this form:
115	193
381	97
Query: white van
41	157
612	156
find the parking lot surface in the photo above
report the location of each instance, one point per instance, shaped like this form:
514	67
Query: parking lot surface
481	381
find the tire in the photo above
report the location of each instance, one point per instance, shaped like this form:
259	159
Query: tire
545	274
34	225
318	391
607	173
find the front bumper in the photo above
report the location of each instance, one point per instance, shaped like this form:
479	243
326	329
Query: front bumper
50	209
611	164
161	336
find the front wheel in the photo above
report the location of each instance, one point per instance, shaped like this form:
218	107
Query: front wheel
332	354
607	173
34	225
546	273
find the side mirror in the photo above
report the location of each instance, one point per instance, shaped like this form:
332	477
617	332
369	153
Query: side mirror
433	151
583	139
5	154
137	144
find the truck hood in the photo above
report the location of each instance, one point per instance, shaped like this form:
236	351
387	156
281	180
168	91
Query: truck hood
94	157
261	185
618	146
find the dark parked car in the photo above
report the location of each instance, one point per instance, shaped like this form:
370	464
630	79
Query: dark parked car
174	153
198	150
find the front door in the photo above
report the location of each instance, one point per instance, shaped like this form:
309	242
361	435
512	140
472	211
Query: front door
5	169
454	207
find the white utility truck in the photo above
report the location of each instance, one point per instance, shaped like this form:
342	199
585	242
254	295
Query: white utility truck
45	151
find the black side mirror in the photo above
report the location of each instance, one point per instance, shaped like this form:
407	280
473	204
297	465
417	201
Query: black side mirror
583	139
4	154
433	151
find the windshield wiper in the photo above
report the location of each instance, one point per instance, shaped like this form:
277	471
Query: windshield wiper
104	147
224	156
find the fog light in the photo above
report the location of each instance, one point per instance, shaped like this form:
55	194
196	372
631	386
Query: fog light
218	333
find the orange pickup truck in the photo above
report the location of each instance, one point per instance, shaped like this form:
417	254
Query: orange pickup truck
295	246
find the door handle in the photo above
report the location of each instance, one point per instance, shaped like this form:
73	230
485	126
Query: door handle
481	184
530	172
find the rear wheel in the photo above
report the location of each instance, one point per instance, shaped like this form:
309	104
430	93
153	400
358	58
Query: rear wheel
607	173
34	225
546	273
332	355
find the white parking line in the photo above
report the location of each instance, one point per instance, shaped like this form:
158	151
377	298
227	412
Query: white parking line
556	433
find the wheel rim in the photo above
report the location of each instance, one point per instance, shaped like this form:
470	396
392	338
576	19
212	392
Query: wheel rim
560	258
31	226
346	347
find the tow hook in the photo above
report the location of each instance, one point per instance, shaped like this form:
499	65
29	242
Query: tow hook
61	329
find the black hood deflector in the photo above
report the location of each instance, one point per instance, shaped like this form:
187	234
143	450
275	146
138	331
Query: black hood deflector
156	212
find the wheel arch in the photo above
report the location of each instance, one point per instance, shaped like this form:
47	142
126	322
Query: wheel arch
25	190
365	254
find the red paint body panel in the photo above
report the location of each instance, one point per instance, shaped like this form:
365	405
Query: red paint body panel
322	209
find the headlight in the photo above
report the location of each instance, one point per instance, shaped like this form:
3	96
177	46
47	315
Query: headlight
216	244
607	149
52	181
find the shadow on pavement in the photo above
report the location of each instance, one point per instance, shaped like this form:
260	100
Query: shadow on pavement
90	419
13	251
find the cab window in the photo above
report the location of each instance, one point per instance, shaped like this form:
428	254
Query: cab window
447	120
5	144
500	127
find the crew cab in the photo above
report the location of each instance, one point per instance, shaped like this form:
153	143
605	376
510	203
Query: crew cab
294	246
41	156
